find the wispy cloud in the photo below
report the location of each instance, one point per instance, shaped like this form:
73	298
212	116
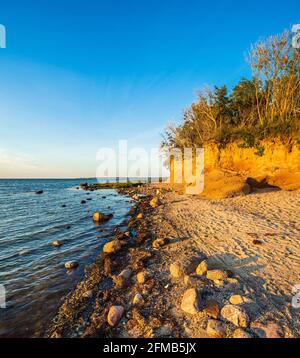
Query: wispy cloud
15	160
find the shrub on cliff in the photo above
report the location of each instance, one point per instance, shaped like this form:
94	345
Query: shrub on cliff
266	106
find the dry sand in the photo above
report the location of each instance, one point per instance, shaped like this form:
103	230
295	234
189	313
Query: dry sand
224	231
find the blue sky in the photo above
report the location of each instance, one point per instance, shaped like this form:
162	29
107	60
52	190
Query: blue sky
80	75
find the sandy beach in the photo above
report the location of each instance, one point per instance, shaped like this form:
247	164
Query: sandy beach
253	239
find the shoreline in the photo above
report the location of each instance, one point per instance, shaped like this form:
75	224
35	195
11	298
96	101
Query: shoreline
171	233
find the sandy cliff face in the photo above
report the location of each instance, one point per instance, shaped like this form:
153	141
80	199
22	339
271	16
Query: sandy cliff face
276	157
235	170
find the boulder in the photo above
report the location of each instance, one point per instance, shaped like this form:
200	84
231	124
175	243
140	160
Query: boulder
71	265
222	185
216	329
235	315
214	275
189	302
114	315
112	247
83	202
202	268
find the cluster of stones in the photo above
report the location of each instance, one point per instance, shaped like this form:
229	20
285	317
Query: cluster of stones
220	320
116	312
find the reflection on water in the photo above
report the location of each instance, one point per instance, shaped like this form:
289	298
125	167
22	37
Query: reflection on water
31	269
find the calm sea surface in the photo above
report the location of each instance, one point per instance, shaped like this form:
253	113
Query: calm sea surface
31	269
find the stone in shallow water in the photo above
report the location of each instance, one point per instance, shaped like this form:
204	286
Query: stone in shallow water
100	217
71	265
57	243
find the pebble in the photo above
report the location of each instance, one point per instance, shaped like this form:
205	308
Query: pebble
188	280
176	270
112	247
114	315
189	302
241	334
126	274
138	299
231	280
158	243
154	202
202	268
141	278
88	294
237	300
216	329
235	315
212	309
268	330
214	275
